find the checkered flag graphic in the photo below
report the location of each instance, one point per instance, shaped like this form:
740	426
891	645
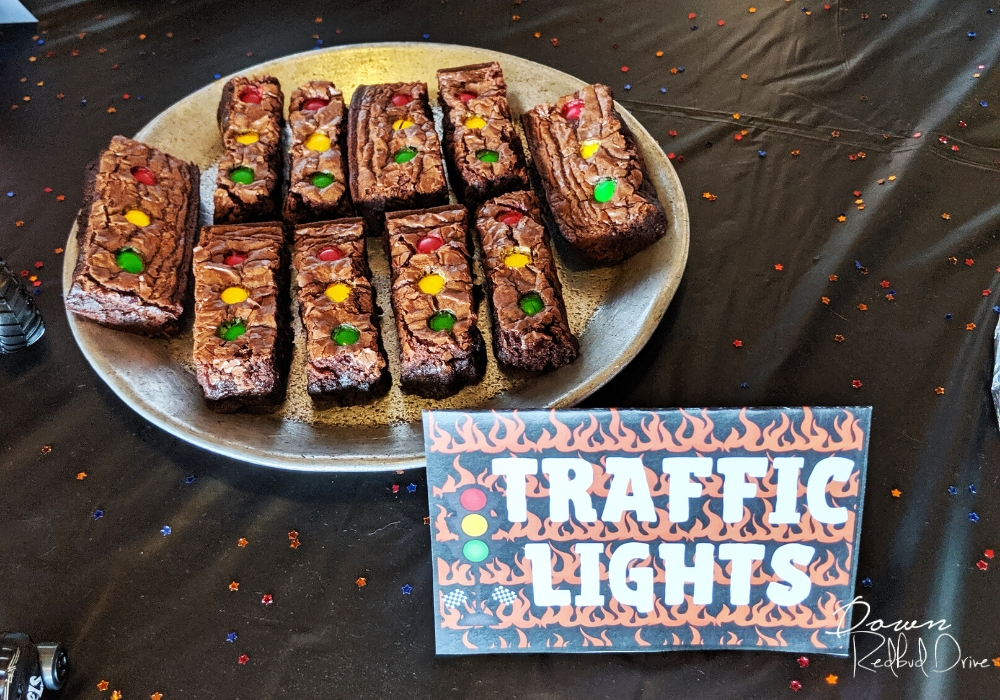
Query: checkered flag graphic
455	598
504	595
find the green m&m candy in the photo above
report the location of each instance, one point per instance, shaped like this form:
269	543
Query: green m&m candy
531	303
129	261
405	155
488	156
604	190
241	175
345	334
322	180
441	321
231	330
475	550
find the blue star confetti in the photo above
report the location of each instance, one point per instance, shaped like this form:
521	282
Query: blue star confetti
165	530
407	589
984	103
663	90
745	385
971	35
866	582
974	517
947	317
628	86
972	488
231	637
98	514
11	193
953	490
762	153
216	76
427	36
412	488
190	479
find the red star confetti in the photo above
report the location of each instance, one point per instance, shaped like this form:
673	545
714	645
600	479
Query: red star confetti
795	686
970	326
624	69
896	493
779	267
266	599
554	41
361	582
721	23
884	284
102	686
242	660
709	196
293	534
939	390
856	383
988	554
803	661
46	449
982	565
832	679
242	542
987	292
81	476
970	262
691	15
234	586
839	338
737	343
395	488
672	133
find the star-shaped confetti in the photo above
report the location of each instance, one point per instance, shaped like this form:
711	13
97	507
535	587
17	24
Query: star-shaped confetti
46	449
103	685
866	582
242	542
293	534
974	517
709	196
970	326
856	383
825	300
737	343
165	530
242	660
361	582
267	599
988	554
803	661
411	488
939	390
982	565
294	544
832	679
862	307
116	695
190	479
98	514
896	493
234	586
231	637
795	686
839	338
156	696
953	490
779	267
407	589
81	476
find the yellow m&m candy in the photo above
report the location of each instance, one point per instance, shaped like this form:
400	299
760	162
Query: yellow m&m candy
338	292
589	148
234	295
137	217
247	138
431	284
318	142
517	258
401	124
475	122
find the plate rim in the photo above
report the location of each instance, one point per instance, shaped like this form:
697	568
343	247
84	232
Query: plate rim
380	463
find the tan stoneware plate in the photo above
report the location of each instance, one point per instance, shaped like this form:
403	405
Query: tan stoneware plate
613	310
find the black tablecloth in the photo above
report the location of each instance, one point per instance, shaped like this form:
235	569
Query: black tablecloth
856	140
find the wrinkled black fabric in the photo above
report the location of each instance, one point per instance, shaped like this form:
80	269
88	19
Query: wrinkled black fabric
150	613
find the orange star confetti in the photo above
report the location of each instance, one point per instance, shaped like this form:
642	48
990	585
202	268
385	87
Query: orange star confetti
946	216
970	326
841	218
293	535
142	37
743	76
939	390
294	544
116	695
659	54
102	686
234	586
862	307
709	196
839	338
832	679
156	696
111	110
825	300
779	267
81	476
242	542
736	115
796	152
361	582
833	278
318	20
896	493
46	448
891	178
538	35
58	251
751	10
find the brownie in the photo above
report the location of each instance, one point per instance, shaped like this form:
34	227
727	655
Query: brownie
345	360
393	151
316	159
603	204
135	232
248	185
242	335
441	349
483	152
530	328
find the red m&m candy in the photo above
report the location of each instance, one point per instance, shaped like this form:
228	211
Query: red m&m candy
430	243
572	109
144	175
314	103
400	100
233	259
330	254
466	96
251	95
510	218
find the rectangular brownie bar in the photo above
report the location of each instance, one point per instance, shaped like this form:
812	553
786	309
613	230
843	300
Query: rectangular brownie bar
242	336
530	328
135	232
345	360
441	348
393	151
317	161
248	185
598	192
483	151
